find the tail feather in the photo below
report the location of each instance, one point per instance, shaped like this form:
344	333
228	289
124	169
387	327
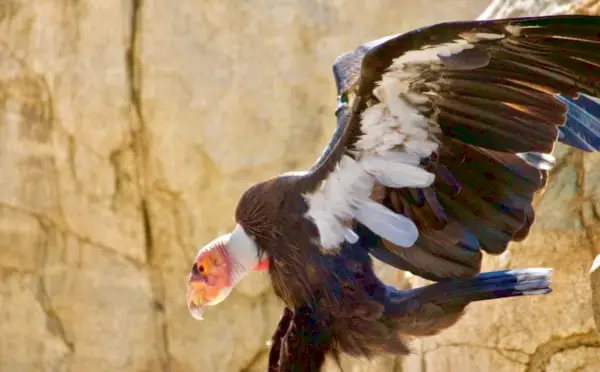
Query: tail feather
492	285
485	286
433	308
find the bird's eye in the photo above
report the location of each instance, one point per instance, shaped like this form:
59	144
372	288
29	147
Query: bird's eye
201	268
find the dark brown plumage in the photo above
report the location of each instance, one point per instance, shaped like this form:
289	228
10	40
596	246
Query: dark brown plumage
484	98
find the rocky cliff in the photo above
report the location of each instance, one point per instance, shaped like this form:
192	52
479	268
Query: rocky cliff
128	130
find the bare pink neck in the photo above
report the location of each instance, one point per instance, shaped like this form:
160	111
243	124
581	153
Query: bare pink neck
262	265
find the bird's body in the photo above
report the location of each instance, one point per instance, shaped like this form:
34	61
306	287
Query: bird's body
442	142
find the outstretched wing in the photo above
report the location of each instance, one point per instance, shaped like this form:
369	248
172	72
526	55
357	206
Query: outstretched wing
432	144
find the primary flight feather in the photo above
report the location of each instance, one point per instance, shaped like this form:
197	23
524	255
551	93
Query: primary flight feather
443	138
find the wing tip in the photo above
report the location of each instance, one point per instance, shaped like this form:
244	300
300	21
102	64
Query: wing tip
582	127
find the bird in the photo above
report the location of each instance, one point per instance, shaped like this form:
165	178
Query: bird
444	135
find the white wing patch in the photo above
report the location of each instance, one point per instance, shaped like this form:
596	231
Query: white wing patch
396	136
385	223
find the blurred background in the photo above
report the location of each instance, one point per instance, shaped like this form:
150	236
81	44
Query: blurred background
128	131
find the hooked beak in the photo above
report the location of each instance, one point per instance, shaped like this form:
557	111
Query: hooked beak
201	295
196	299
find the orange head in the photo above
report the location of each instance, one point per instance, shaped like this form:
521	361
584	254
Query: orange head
218	267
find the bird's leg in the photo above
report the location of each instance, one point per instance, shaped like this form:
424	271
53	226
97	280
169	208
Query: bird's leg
277	338
306	343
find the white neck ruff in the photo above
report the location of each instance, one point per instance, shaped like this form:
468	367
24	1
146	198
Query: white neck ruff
243	254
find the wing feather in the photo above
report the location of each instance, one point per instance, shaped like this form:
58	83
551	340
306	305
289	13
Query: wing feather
468	111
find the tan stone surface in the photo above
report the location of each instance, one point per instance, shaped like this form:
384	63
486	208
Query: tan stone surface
595	285
128	129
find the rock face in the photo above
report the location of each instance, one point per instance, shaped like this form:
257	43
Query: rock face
128	130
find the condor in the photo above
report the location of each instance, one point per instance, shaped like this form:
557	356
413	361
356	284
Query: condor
444	135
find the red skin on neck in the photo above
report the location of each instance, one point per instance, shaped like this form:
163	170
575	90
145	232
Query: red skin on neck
262	265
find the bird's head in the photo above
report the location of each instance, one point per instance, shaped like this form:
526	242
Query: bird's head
219	266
